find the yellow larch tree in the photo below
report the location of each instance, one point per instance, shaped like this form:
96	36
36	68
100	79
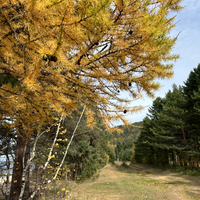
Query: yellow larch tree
57	55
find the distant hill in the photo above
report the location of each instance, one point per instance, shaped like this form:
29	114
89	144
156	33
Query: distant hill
130	133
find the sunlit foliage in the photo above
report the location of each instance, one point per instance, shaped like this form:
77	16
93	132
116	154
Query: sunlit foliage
55	55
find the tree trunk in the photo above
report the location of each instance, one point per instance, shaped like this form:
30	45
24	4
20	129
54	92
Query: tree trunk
18	168
27	156
198	163
7	185
173	159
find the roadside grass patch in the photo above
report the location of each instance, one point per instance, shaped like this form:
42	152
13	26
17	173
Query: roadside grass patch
187	171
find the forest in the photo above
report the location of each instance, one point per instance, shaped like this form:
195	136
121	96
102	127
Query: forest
123	143
170	132
69	70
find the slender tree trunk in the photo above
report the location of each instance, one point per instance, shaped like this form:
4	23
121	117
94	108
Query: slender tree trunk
173	158
18	168
198	163
27	156
177	160
181	159
8	172
190	161
185	162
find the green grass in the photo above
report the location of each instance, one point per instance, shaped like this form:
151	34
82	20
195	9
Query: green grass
116	182
188	171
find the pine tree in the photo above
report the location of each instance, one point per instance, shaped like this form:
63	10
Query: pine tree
156	108
170	129
145	153
160	154
167	133
191	91
196	132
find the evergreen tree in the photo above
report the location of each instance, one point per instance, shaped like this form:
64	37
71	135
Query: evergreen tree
172	133
192	92
121	155
164	135
146	148
156	108
145	153
196	132
169	130
192	85
159	154
127	154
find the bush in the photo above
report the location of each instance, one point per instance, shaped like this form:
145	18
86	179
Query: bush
111	154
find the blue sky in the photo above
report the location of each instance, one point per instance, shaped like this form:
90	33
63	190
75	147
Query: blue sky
187	46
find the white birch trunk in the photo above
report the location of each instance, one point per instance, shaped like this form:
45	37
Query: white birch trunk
25	168
7	191
51	150
49	181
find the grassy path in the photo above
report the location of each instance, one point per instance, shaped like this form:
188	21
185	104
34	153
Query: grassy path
137	182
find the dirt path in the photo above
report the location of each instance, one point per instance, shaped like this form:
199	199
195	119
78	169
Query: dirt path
178	180
137	182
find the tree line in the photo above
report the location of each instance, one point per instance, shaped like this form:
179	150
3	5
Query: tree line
170	133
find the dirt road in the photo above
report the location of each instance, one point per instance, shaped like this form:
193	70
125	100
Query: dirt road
137	182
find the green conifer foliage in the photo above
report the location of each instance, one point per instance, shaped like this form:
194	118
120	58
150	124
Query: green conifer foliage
169	131
164	134
145	153
192	93
171	134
